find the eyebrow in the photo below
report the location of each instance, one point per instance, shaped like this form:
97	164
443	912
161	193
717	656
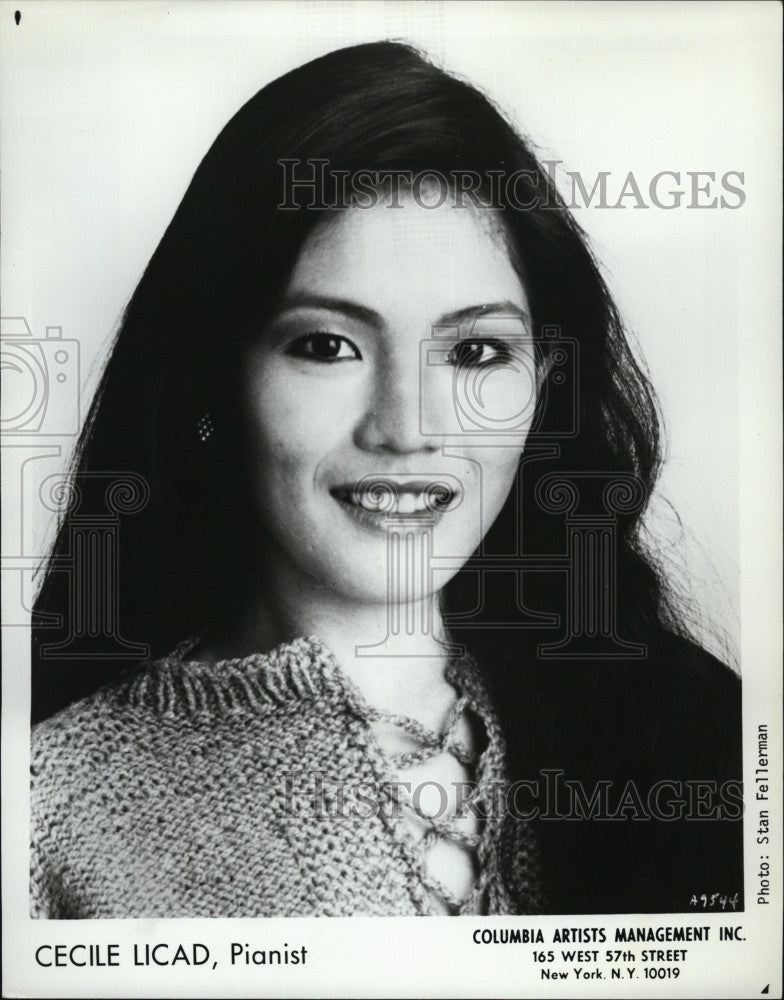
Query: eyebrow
505	308
366	315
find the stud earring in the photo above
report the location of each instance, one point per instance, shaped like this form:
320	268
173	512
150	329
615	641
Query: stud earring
205	428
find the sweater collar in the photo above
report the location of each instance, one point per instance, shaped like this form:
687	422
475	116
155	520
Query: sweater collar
299	670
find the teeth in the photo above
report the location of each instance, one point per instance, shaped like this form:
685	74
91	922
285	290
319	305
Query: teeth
407	503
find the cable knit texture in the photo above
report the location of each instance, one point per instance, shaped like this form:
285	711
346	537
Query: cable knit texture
187	789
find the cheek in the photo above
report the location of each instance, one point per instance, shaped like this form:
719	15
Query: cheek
512	409
503	470
289	425
499	467
487	475
280	434
498	399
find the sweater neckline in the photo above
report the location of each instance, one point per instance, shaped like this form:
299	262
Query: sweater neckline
295	670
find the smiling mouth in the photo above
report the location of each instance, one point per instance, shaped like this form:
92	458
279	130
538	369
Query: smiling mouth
381	504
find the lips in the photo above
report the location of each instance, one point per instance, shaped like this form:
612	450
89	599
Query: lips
381	503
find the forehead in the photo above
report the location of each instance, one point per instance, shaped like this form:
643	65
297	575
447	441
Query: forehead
411	258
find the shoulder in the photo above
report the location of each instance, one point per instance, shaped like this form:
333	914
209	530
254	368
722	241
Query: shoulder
694	704
153	706
78	724
79	740
660	738
77	758
686	705
165	733
676	706
694	666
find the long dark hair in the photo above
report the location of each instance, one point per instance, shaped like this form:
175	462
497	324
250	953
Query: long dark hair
210	284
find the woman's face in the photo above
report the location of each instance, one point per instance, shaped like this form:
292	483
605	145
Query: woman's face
400	358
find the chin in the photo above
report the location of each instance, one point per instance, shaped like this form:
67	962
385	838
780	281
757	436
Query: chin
372	589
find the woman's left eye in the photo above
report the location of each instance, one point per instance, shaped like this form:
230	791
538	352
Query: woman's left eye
479	353
324	347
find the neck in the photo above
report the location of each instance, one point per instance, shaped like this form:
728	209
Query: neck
395	656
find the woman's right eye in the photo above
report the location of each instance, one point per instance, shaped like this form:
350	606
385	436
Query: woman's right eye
327	347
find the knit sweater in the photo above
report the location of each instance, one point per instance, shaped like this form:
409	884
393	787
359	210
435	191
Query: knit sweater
194	789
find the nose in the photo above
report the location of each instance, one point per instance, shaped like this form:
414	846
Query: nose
393	418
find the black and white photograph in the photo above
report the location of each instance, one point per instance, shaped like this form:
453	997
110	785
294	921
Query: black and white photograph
391	445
